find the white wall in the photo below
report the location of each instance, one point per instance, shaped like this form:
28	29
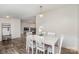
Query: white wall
78	26
62	21
15	27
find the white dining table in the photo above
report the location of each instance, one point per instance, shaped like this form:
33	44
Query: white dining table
49	41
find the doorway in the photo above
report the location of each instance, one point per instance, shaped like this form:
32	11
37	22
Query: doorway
6	32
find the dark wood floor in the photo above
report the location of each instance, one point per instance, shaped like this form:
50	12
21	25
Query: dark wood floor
18	46
15	46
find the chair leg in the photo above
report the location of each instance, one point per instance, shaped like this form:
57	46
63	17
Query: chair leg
43	52
28	50
53	50
36	51
47	52
32	50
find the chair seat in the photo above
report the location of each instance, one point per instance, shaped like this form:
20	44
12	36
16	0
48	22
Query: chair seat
41	49
32	45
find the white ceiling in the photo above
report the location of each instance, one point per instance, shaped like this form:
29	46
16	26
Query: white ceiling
24	11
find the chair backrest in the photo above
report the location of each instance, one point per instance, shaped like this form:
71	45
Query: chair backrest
28	33
30	40
59	43
40	42
51	34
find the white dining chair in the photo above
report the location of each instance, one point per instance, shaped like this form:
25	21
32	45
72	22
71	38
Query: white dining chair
51	34
57	48
30	44
40	44
28	33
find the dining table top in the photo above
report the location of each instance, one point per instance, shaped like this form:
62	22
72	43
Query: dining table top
50	40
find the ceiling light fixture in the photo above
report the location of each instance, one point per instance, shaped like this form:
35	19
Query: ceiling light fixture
41	15
7	16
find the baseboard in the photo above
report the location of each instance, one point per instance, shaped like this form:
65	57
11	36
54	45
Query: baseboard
73	49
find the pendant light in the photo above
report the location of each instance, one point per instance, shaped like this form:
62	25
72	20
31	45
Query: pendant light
41	15
7	16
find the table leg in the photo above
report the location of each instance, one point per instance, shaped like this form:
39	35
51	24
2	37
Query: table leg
52	49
